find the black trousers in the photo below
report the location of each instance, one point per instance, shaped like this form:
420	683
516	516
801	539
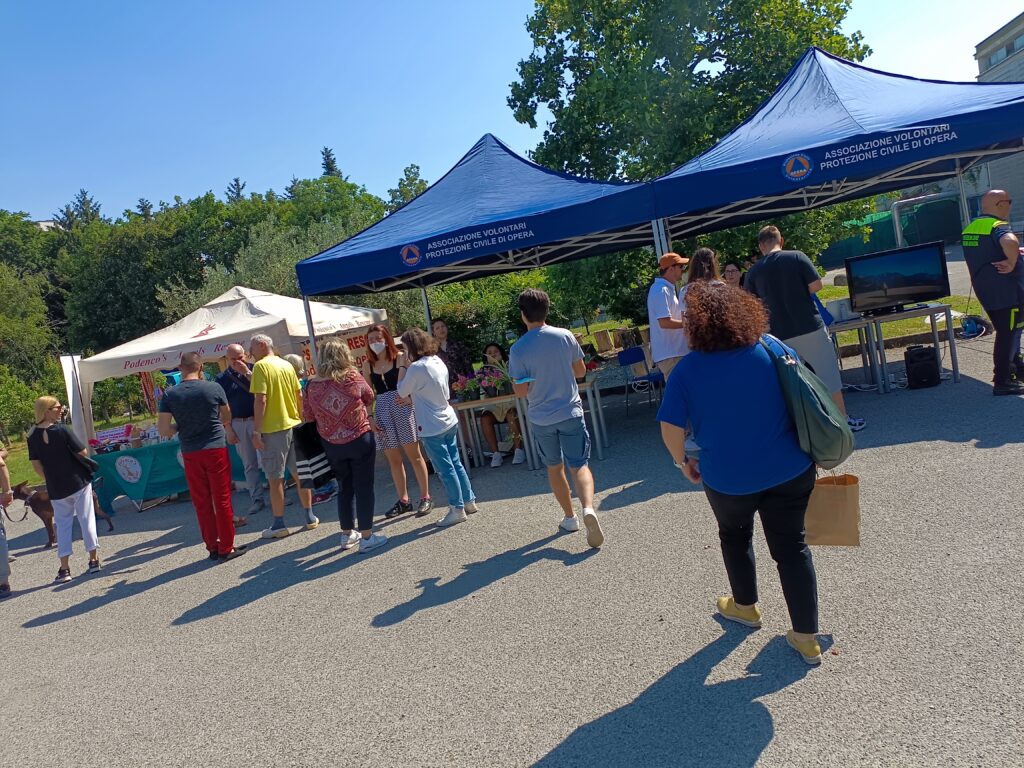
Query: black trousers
782	510
353	465
1008	324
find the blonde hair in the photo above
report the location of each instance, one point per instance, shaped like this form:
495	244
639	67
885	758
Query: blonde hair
43	405
335	360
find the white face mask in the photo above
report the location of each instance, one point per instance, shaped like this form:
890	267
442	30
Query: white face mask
378	347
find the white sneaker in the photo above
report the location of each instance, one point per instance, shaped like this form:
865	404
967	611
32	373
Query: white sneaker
471	507
595	536
455	515
571	524
519	456
497	459
275	533
347	542
376	541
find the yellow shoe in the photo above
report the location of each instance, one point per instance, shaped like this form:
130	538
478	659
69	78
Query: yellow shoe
728	609
809	650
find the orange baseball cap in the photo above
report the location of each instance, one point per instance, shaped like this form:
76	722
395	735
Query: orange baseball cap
671	260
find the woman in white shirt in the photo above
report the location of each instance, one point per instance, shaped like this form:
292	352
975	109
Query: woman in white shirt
426	383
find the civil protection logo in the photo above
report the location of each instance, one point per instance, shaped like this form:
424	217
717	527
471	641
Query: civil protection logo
410	255
797	167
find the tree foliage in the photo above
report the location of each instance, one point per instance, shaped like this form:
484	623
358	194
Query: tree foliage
635	89
235	191
328	163
409	186
26	338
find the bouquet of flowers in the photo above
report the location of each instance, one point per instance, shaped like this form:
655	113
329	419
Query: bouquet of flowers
467	387
494	379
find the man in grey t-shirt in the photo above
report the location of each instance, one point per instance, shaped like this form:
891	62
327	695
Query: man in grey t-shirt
202	422
543	366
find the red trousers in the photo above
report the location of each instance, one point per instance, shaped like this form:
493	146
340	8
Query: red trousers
208	474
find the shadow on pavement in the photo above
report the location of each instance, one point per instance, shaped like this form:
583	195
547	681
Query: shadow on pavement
684	722
476	576
322	557
120	590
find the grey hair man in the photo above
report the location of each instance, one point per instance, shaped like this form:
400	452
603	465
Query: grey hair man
277	407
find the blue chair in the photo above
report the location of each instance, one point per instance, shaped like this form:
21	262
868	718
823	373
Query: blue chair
649	380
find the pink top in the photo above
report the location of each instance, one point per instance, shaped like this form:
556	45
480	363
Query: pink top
338	408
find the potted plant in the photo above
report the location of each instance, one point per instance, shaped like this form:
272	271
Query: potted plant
467	388
495	380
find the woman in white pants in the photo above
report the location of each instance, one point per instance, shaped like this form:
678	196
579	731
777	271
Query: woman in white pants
55	453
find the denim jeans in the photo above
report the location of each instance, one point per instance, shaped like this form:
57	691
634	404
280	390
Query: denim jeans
353	465
443	452
782	510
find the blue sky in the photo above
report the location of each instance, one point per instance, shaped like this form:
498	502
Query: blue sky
156	99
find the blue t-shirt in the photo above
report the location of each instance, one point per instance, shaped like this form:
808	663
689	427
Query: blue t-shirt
734	403
236	389
546	355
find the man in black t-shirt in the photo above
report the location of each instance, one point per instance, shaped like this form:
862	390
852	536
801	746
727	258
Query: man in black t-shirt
202	419
786	282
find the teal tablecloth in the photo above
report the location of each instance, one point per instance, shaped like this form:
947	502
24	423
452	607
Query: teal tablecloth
150	472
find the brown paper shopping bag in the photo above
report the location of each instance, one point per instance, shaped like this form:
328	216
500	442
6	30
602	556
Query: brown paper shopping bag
833	513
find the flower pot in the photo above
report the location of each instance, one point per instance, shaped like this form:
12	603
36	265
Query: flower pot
491	391
505	388
470	395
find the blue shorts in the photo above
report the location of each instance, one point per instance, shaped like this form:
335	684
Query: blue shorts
567	439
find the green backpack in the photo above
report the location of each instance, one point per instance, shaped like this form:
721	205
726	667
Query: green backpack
820	426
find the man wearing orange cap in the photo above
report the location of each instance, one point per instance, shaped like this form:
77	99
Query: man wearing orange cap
668	335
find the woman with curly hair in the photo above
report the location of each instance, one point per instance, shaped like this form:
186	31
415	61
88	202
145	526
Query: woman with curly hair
751	461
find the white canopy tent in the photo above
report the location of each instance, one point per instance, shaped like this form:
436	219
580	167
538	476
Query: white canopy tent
231	318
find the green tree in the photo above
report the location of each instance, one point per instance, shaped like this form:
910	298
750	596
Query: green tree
145	209
635	89
26	337
21	242
16	399
235	190
81	211
409	186
328	163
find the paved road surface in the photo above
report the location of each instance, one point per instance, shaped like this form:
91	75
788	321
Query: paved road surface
501	643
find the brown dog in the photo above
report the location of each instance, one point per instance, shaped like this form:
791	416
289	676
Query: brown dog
38	500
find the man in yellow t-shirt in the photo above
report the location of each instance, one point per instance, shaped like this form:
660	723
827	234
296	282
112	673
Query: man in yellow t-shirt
277	408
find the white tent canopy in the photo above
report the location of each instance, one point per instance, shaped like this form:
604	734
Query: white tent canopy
231	318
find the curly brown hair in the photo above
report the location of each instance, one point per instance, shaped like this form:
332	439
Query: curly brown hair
720	317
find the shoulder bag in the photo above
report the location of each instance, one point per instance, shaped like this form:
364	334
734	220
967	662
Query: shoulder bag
820	426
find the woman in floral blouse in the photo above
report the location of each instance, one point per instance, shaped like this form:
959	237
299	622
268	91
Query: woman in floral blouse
337	400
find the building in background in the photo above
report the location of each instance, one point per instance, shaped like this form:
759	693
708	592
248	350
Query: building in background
1001	60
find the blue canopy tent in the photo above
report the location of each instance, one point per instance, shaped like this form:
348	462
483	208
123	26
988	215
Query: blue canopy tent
493	212
834	131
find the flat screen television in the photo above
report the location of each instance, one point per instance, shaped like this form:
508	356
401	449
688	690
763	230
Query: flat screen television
888	281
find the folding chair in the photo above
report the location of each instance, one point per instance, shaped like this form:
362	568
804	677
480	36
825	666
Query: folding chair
634	356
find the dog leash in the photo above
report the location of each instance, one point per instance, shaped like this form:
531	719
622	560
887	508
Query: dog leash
8	514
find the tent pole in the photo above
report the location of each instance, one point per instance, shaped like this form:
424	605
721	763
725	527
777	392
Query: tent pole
965	213
426	308
312	333
661	245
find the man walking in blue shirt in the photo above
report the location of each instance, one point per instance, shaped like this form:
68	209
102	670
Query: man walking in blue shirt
544	365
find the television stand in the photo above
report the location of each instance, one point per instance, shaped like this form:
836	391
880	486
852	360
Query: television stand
931	311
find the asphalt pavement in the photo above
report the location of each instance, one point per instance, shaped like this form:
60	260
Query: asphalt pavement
501	642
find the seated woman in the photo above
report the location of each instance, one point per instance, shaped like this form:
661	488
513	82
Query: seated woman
496	361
